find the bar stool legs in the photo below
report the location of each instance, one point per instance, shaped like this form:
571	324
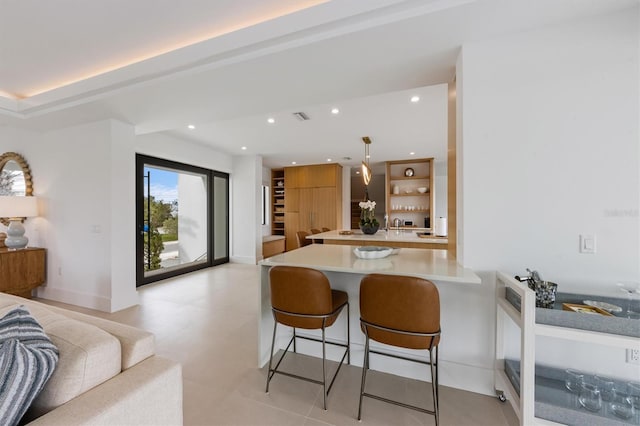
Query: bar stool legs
325	390
433	364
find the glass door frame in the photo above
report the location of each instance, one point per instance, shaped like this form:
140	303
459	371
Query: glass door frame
146	160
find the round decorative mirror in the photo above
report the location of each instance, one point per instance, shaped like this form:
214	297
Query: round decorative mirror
15	177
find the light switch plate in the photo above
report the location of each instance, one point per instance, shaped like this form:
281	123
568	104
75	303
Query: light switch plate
587	243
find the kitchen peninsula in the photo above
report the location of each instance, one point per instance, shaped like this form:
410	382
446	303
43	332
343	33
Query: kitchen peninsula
391	238
344	271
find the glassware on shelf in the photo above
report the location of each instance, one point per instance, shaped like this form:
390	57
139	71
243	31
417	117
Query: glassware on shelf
607	387
590	397
573	380
621	405
631	288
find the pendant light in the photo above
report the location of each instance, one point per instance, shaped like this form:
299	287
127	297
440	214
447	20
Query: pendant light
366	170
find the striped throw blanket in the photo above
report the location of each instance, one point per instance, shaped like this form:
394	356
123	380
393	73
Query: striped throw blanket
27	360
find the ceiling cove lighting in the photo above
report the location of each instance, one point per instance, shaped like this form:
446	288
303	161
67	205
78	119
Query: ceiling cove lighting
415	99
156	51
271	120
335	111
366	170
191	126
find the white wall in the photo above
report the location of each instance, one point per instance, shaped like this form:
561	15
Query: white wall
79	174
175	149
550	148
123	223
245	205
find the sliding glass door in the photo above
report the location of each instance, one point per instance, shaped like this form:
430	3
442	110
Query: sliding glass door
182	218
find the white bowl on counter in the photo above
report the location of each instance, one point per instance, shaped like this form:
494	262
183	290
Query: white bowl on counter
422	189
372	252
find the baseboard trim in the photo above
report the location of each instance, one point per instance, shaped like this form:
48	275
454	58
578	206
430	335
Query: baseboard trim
243	259
84	300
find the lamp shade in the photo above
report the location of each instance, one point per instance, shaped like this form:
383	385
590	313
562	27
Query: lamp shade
11	206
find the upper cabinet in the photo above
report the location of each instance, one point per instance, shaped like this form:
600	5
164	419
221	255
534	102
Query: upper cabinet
410	196
315	176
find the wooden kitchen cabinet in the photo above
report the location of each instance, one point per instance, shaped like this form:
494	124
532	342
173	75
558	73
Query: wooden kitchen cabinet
22	270
315	176
317	208
313	199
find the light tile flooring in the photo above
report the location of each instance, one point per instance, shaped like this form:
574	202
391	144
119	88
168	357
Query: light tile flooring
207	321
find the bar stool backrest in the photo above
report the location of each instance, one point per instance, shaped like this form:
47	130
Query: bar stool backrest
400	303
301	291
302	238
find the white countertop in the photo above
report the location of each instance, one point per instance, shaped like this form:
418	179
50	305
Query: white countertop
404	236
434	265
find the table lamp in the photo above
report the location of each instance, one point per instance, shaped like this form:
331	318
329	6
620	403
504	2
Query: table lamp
16	209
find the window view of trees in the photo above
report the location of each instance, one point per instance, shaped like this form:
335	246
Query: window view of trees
160	227
171	243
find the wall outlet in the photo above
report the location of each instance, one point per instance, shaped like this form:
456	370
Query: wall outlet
633	356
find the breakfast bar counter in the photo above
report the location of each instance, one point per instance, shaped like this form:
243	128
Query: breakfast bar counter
392	238
344	271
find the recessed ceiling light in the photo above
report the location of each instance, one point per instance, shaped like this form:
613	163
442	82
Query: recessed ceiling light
357	172
415	99
328	159
271	120
191	126
412	153
335	111
293	162
244	148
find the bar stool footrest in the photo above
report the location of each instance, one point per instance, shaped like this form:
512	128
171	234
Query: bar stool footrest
401	404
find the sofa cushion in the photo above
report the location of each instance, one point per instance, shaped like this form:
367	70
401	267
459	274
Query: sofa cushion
88	356
27	361
135	344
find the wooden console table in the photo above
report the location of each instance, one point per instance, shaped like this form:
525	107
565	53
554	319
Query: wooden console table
22	270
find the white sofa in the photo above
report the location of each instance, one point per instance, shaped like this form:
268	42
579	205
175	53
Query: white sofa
107	373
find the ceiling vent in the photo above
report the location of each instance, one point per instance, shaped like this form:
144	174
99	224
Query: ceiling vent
301	116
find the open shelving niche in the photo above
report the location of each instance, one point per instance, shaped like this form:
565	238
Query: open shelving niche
553	405
415	206
277	202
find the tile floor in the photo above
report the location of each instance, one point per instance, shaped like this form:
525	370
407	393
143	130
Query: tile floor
207	321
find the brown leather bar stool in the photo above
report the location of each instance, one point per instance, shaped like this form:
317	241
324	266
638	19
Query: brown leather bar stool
315	231
302	238
405	312
325	229
303	298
